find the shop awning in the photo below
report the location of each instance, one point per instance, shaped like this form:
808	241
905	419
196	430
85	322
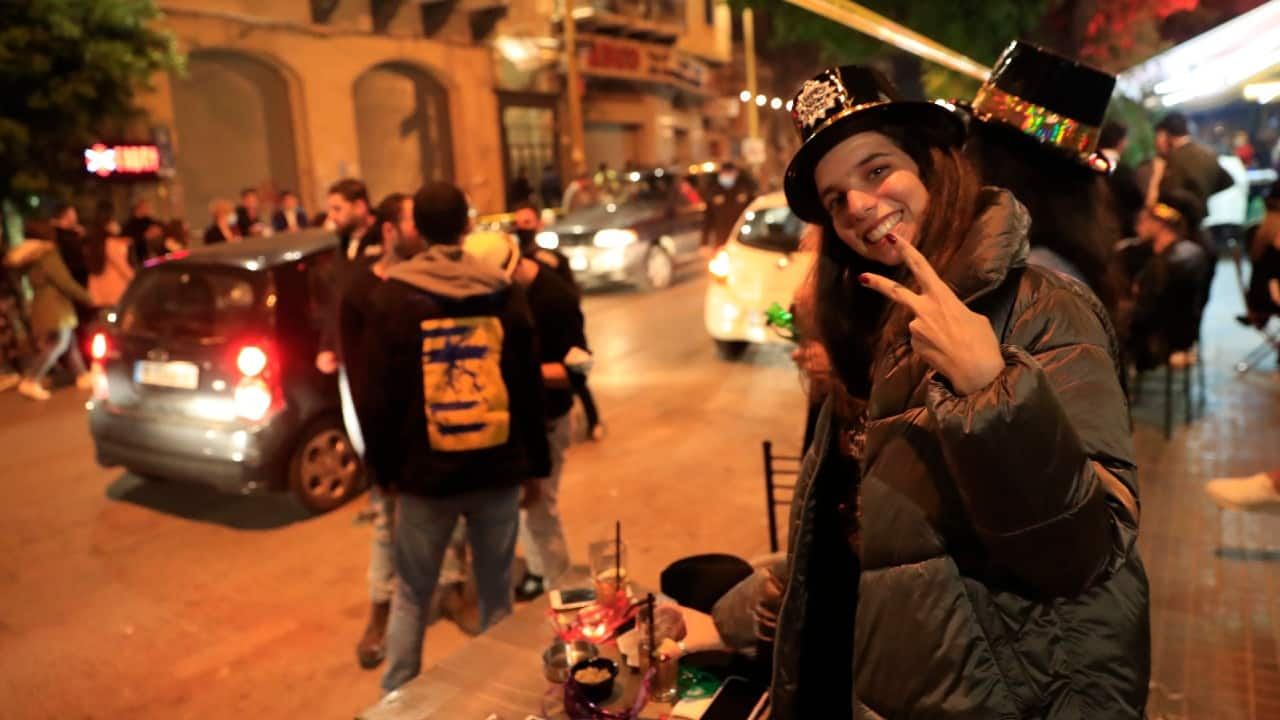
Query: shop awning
1212	66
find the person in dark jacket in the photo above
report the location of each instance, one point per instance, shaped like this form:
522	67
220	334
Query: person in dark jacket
353	221
973	554
290	217
249	220
136	227
731	193
1051	168
1171	290
223	227
528	224
1184	165
562	348
69	236
1123	180
456	421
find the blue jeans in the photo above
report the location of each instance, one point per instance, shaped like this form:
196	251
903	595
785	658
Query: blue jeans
542	534
422	530
53	346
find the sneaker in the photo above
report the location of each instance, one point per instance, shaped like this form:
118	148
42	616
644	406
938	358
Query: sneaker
8	381
530	588
85	381
33	390
597	432
1256	493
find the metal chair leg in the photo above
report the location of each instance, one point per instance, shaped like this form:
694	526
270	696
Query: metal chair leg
1204	387
1186	391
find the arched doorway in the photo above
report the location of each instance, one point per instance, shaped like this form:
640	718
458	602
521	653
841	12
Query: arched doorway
402	126
235	130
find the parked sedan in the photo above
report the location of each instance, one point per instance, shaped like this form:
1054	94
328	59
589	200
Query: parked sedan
760	265
639	233
206	373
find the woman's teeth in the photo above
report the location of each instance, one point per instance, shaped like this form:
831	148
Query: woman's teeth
877	233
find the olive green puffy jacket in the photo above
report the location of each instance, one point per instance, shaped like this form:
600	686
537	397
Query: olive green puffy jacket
54	291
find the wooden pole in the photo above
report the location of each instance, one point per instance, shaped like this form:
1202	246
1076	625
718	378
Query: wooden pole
577	156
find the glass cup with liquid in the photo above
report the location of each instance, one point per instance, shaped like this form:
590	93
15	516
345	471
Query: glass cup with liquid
608	570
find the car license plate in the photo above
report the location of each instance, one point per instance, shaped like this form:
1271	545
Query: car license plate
181	375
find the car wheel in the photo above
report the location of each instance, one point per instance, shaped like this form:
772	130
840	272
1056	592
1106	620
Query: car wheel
325	471
732	349
659	269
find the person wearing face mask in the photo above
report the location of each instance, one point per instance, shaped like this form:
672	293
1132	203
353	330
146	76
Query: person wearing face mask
728	197
223	227
975	557
528	223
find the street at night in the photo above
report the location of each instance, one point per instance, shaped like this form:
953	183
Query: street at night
640	360
124	598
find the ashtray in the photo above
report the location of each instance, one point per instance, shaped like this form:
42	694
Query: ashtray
595	676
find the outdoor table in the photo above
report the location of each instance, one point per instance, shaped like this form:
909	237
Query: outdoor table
498	675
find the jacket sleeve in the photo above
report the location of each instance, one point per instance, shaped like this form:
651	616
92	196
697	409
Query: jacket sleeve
524	384
61	279
383	404
1043	456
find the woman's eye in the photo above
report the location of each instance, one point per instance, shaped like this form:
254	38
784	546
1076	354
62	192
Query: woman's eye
835	203
879	171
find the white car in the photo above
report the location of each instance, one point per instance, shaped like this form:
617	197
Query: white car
761	264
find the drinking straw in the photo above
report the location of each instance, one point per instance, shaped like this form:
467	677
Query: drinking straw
653	650
617	556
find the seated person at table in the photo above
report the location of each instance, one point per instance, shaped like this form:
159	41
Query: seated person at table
1171	290
1264	255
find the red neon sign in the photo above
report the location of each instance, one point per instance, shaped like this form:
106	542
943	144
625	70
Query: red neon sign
104	161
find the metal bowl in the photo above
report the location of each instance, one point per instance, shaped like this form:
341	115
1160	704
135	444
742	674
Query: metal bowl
561	656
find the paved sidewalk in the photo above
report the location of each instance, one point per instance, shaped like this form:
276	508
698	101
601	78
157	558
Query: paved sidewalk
1215	576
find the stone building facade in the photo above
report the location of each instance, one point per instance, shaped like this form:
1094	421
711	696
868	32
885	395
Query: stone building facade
296	94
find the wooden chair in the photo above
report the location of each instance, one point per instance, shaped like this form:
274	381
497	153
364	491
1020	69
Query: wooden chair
786	467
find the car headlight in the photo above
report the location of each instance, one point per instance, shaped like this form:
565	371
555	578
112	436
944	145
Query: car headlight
614	238
547	240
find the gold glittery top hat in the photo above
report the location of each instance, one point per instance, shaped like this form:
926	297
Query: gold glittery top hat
1055	100
842	101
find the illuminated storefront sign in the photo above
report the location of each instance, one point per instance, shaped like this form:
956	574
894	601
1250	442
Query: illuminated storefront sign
122	160
615	57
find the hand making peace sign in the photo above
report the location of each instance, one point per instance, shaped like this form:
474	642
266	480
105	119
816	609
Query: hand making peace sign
954	340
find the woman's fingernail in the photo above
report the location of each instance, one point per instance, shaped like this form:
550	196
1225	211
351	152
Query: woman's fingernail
892	240
864	279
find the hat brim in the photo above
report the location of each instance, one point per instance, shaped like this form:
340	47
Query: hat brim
939	126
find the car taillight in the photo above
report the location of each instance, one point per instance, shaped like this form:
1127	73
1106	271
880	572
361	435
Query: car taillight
720	266
98	347
253	398
251	361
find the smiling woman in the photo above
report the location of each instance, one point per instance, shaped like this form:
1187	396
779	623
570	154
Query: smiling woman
986	498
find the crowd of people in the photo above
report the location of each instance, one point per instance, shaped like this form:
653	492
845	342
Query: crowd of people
73	273
459	355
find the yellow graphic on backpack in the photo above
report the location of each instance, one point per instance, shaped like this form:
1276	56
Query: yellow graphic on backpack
464	396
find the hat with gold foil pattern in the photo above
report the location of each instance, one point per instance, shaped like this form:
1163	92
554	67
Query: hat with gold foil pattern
1052	99
842	101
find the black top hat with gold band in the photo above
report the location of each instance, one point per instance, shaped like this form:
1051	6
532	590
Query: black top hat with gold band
1052	99
843	101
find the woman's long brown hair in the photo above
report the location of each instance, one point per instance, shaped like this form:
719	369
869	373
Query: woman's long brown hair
858	325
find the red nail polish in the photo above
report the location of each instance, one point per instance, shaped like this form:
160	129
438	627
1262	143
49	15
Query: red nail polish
892	240
864	279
